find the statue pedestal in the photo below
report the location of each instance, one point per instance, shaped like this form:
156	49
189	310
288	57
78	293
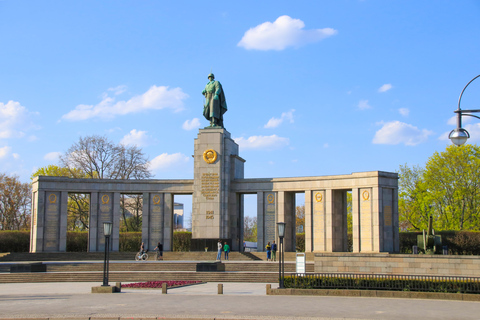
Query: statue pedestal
216	164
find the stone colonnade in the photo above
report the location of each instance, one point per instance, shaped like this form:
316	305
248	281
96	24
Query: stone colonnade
374	211
49	210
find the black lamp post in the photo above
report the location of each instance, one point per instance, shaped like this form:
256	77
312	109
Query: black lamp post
107	231
281	260
459	135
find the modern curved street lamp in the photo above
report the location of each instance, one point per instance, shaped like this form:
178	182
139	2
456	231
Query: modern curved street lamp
459	135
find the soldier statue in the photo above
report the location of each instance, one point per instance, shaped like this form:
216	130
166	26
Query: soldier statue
215	105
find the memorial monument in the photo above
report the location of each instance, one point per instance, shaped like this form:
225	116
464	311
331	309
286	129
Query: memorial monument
218	188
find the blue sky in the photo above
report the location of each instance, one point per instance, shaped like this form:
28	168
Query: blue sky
312	87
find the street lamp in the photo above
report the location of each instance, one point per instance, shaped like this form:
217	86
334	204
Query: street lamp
107	231
281	260
459	135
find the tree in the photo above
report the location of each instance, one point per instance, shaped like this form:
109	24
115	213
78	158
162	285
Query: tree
447	189
250	229
15	203
300	219
100	158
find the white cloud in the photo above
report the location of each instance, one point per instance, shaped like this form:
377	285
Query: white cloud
136	138
363	105
15	120
404	111
5	151
396	132
282	33
385	87
52	156
262	142
118	90
16	156
275	122
191	124
156	98
168	161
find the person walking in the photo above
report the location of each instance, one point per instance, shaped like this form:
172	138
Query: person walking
219	252
274	251
226	249
269	251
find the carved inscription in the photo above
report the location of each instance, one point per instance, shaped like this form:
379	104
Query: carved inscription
209	215
387	213
210	185
270	218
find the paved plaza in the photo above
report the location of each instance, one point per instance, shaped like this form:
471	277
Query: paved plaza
239	301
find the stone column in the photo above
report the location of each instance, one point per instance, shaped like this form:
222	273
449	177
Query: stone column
63	221
356	220
260	221
377	219
51	234
93	222
115	242
153	232
105	213
168	222
329	231
286	213
38	221
319	221
366	220
270	218
308	222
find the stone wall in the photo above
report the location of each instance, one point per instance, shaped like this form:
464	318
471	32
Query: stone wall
400	264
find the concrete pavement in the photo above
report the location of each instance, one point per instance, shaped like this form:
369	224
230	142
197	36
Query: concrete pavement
239	301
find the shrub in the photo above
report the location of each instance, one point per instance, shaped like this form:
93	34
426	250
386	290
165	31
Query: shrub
14	241
300	245
182	241
77	241
130	241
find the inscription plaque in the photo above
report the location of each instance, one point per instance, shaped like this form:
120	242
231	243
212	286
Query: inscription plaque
210	185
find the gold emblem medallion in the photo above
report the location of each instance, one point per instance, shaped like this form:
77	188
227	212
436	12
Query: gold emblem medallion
52	198
365	195
105	199
210	156
318	197
156	199
270	198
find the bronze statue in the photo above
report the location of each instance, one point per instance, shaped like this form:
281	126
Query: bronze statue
215	105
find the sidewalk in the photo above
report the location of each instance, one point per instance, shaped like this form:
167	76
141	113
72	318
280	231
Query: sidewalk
239	301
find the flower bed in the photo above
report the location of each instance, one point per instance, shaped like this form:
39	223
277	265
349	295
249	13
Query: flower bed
158	284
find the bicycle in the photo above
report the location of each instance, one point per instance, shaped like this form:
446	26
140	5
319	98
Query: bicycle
139	256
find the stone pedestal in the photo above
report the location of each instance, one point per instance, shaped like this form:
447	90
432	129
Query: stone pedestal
217	163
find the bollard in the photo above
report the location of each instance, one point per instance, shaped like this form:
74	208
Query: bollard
268	287
220	288
118	287
164	288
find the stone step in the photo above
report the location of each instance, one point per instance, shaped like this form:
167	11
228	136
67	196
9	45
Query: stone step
125	256
140	277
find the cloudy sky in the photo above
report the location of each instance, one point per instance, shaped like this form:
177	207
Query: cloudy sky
312	87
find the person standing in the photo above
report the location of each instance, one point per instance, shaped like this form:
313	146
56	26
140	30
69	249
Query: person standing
269	251
159	249
274	251
244	245
219	252
226	249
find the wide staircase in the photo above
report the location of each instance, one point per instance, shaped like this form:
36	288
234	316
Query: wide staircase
88	267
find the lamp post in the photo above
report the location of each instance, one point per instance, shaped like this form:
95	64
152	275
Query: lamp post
281	260
107	231
459	135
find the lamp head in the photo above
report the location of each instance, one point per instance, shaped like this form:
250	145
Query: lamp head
107	228
281	229
459	136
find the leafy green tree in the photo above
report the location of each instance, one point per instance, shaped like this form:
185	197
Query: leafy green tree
15	202
452	178
250	229
447	188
